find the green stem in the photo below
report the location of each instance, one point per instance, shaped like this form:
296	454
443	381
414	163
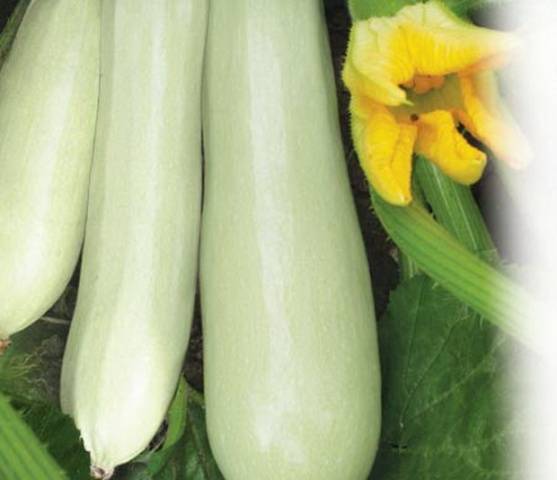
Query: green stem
408	267
448	262
455	208
22	456
177	415
8	34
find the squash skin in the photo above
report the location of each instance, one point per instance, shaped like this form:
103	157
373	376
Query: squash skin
133	316
292	380
48	107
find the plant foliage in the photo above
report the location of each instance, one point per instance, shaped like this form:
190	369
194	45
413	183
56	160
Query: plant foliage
444	410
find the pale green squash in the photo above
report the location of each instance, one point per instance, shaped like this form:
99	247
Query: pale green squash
48	107
291	365
133	315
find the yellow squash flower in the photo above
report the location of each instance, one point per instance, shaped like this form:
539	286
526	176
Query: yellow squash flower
414	78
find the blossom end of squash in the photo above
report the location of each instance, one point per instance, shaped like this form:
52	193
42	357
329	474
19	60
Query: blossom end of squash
99	473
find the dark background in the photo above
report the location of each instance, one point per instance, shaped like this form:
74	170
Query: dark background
6	6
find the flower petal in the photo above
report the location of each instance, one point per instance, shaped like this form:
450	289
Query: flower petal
439	141
384	148
422	40
487	119
377	61
440	43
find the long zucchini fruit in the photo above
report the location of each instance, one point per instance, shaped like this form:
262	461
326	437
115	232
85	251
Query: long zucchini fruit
133	316
48	106
291	366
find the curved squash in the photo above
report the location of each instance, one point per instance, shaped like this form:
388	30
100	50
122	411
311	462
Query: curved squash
133	316
48	107
291	366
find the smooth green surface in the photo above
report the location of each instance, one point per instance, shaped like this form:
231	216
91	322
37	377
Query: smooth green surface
291	365
133	316
446	402
48	104
22	456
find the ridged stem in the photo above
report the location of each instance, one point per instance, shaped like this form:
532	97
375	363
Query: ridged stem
408	267
455	208
22	456
453	266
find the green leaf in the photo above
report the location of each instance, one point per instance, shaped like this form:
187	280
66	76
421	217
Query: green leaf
444	397
199	461
30	369
177	415
29	374
57	431
22	455
362	9
156	461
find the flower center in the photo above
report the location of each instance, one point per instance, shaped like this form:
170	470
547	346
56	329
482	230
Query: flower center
421	84
428	94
